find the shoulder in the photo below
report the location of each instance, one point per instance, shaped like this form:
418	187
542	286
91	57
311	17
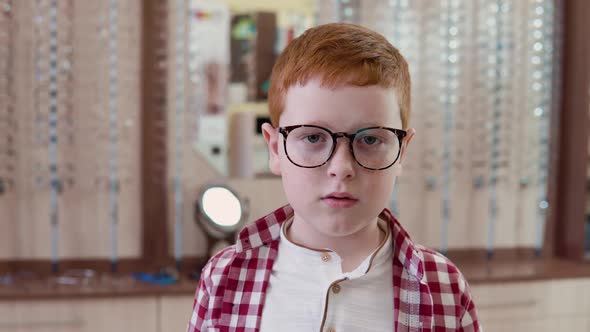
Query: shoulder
247	261
444	279
217	266
449	292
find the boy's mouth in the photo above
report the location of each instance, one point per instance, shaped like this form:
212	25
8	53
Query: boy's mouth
340	195
339	200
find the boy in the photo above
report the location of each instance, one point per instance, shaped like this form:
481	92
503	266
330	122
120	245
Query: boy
334	259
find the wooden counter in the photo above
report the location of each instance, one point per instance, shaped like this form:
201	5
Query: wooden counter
106	285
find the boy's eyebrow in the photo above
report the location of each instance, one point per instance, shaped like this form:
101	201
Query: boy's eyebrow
319	123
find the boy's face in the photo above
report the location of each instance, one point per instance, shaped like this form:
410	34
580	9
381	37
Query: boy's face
311	191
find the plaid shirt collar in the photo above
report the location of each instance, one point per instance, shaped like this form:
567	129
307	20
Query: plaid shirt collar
267	229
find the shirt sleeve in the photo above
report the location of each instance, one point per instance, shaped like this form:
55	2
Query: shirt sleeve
469	320
199	316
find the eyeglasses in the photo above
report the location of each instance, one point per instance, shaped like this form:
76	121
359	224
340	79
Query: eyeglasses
374	148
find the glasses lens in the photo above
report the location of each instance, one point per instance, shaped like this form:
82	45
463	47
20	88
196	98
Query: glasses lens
309	146
376	148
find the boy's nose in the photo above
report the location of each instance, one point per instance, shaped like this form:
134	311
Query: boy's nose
341	165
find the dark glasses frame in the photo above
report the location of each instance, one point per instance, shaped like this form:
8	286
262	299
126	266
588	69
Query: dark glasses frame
399	133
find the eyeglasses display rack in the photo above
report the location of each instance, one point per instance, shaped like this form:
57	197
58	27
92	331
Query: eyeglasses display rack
180	116
471	91
72	114
73	103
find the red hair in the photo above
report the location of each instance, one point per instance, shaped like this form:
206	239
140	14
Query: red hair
340	54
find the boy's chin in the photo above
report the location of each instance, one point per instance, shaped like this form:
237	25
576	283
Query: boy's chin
338	226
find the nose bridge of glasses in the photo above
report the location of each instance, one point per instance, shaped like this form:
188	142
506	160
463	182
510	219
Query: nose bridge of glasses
342	135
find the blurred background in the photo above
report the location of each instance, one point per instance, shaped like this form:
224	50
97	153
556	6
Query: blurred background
130	150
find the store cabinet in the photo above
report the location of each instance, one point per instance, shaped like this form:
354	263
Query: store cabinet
175	312
539	306
554	305
540	325
89	315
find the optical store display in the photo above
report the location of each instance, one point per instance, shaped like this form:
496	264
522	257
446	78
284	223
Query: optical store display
73	128
73	106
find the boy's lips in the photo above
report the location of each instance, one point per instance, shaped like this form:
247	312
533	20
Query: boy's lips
339	200
343	195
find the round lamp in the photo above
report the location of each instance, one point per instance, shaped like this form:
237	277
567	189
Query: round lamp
221	213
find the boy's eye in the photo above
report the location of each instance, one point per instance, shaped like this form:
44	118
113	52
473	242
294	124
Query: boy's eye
312	138
369	140
309	136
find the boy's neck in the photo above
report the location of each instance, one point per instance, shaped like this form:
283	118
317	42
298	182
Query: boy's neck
352	249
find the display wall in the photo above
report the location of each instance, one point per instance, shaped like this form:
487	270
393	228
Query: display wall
110	128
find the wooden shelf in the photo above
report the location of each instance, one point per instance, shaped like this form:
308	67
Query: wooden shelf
479	272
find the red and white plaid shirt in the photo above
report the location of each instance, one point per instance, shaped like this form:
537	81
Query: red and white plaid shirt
430	294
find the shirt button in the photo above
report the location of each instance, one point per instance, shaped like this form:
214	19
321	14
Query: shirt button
336	289
326	257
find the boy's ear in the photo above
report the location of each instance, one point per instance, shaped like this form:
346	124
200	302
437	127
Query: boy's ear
271	136
410	134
